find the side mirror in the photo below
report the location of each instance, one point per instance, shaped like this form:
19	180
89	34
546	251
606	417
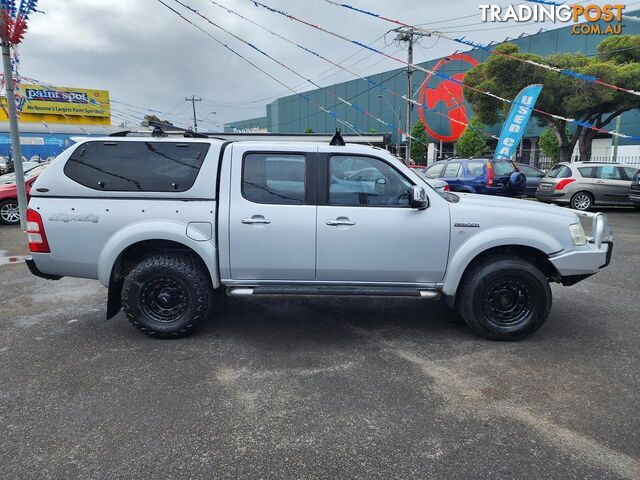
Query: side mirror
418	198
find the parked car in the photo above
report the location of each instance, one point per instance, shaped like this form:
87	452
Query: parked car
29	172
477	175
534	175
170	224
634	192
437	184
581	185
4	165
9	214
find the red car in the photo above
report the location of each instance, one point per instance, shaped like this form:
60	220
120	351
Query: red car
9	214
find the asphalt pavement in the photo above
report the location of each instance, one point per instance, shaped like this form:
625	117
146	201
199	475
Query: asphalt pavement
320	388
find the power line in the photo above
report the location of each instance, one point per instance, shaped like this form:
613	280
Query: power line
579	123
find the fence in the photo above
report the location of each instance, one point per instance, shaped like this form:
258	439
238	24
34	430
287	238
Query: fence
546	163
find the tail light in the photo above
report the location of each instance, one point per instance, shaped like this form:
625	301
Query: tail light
35	233
489	174
563	183
446	188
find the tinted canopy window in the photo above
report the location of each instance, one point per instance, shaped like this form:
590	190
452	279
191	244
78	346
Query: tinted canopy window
274	178
137	166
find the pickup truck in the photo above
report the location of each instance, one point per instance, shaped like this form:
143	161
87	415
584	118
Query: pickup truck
170	224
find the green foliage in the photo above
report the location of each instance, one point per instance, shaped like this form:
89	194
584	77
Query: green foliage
419	150
549	145
308	130
373	130
562	95
472	142
156	119
620	49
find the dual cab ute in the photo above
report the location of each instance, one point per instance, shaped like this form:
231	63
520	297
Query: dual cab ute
169	223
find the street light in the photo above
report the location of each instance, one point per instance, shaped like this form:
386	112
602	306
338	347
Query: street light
397	117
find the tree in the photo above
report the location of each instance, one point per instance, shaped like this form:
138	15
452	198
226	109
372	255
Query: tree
308	130
156	119
549	145
373	130
472	142
419	148
562	95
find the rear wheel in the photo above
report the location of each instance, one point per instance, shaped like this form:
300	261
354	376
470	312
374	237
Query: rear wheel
504	299
582	201
9	212
167	295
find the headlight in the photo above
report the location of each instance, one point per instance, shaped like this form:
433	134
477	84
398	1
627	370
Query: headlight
577	234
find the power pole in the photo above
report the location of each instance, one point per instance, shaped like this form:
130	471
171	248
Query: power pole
193	101
409	36
13	126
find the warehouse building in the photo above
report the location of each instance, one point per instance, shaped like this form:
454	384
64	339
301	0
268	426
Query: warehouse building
293	114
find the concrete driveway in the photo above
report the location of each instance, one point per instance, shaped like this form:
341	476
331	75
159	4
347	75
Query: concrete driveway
320	388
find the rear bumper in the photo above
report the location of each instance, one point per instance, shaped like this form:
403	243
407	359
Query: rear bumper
31	264
553	197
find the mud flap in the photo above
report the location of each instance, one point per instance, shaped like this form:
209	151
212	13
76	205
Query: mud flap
114	298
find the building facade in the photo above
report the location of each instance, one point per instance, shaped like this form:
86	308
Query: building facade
443	99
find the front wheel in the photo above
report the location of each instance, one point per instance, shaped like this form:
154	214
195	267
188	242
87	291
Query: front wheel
504	299
167	295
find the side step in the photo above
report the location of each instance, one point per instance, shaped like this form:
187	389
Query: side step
316	290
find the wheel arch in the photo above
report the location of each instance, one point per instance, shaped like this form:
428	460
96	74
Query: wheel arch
136	242
533	245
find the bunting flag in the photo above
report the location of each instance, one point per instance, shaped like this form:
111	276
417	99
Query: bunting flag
15	18
441	75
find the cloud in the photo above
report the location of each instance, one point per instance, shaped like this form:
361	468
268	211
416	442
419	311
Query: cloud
146	56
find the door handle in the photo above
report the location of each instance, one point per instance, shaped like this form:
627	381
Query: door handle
600	181
340	223
255	220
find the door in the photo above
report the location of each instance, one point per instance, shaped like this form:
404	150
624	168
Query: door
366	230
612	184
272	217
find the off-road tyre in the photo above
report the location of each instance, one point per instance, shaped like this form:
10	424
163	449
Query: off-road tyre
582	201
167	295
504	298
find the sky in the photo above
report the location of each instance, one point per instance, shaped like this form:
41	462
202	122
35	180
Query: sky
149	58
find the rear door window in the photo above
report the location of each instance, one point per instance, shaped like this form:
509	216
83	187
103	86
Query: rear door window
452	170
137	166
588	172
277	178
610	172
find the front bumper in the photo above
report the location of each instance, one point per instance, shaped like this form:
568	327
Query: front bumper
586	260
33	268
